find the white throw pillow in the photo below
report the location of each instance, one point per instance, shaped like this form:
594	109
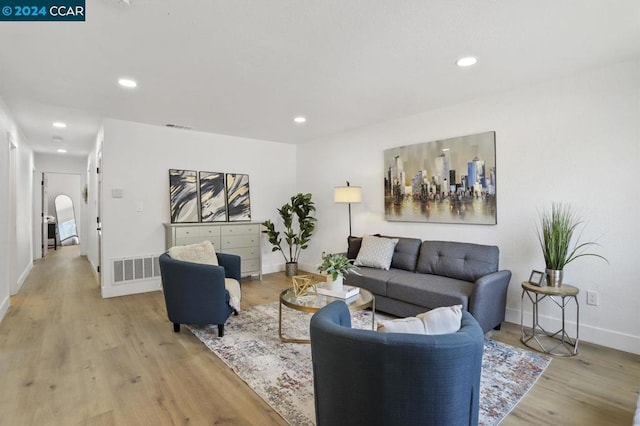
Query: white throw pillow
203	252
376	252
402	325
443	320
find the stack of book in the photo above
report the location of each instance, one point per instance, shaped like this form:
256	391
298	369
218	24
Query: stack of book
346	292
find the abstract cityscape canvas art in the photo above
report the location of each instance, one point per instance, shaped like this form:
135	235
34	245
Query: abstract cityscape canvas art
213	206
445	181
183	196
238	201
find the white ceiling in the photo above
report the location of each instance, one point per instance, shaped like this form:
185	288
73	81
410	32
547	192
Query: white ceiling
247	67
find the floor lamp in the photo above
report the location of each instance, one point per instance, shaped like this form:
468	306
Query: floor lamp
349	195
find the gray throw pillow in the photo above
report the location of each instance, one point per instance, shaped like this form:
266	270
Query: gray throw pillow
376	252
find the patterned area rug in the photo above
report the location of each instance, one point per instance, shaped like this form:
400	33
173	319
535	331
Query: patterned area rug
281	372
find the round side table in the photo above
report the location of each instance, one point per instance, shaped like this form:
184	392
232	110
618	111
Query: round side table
536	337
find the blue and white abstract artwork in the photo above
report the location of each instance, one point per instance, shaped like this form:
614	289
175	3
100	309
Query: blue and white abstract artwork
183	194
238	202
213	207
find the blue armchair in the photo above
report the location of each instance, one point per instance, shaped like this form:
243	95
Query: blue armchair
364	377
195	293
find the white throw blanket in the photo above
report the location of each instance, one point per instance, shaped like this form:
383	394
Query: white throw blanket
235	295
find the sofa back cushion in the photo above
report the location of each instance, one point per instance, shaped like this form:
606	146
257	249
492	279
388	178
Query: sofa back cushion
463	261
354	244
406	253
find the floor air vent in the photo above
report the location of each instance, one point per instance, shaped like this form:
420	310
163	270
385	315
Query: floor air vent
130	269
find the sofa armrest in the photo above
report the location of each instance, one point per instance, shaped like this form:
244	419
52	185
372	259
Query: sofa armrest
488	301
231	265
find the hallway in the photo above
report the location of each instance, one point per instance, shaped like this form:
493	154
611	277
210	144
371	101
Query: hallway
69	357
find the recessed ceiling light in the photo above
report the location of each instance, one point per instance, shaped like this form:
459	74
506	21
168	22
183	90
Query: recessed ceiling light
127	82
59	124
62	151
300	119
56	139
467	61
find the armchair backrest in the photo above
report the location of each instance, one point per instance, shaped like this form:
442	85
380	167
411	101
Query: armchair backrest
374	378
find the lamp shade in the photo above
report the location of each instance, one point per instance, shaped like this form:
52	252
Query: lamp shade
347	194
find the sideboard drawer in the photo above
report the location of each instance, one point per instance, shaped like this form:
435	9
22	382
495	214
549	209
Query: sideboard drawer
248	229
197	231
240	241
195	240
250	265
245	252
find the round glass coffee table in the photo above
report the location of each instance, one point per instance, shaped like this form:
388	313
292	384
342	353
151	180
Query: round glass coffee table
312	303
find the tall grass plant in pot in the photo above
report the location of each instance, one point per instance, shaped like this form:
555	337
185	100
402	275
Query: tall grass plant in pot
556	232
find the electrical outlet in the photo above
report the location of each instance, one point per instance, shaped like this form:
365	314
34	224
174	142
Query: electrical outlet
592	298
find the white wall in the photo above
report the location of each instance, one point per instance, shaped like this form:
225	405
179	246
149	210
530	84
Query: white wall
59	164
24	232
575	140
14	256
137	159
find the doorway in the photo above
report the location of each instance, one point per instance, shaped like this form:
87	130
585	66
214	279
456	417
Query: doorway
58	224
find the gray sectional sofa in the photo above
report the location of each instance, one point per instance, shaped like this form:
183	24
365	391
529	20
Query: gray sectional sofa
429	274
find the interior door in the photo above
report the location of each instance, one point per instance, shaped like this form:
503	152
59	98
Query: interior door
44	231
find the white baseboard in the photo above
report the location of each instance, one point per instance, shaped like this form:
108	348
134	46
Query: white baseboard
22	279
4	307
132	288
270	269
588	333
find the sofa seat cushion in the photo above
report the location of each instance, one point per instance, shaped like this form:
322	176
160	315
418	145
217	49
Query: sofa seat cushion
372	279
430	291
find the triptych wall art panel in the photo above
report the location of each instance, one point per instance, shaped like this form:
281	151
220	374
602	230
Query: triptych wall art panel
213	207
238	202
445	181
183	194
204	197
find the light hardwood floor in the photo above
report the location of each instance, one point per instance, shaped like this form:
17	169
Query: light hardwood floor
69	357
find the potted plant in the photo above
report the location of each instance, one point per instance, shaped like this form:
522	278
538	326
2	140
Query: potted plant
336	266
555	234
296	236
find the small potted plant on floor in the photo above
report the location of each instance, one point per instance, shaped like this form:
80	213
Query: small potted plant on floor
555	234
336	266
297	237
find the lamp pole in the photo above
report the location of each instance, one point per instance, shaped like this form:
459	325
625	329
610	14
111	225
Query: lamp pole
349	212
